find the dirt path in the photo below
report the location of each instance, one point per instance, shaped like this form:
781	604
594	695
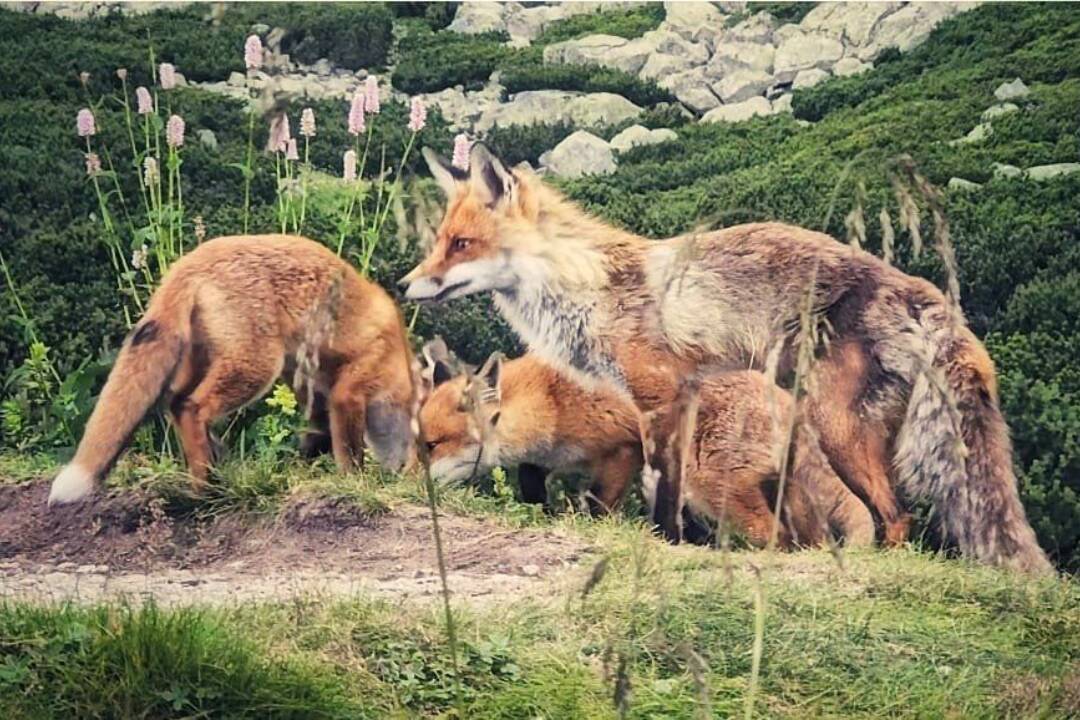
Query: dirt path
125	546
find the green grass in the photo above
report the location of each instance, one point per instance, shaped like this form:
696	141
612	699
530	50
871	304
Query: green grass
897	633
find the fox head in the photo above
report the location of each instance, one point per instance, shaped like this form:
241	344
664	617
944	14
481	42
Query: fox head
486	207
459	418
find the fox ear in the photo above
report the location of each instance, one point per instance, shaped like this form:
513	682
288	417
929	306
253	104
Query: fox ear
489	175
446	174
490	377
440	373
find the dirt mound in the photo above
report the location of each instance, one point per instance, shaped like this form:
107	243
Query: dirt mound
126	543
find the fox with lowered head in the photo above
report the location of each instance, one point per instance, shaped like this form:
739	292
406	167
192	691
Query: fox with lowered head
910	396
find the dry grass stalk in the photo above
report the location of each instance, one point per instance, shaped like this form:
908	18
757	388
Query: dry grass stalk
855	221
888	235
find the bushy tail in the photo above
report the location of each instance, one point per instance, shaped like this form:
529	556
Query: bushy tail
817	502
145	363
954	449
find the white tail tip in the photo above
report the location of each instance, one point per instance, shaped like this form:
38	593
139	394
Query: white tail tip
72	484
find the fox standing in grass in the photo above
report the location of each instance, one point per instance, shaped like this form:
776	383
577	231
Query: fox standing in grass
527	412
228	320
910	396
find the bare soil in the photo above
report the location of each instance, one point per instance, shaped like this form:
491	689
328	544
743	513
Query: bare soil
125	545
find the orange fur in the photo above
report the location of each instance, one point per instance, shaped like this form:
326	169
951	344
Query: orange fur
229	318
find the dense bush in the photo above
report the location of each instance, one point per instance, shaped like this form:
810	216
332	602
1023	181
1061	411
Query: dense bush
631	23
784	12
584	78
352	35
432	61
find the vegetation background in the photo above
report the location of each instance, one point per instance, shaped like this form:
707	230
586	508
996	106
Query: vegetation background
1018	249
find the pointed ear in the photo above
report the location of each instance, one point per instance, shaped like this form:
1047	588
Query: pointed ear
444	172
490	378
489	175
440	373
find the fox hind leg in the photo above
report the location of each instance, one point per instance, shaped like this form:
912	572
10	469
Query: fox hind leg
228	384
348	419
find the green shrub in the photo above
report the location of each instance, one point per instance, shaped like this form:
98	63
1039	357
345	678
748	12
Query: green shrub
432	61
631	23
352	35
583	78
784	12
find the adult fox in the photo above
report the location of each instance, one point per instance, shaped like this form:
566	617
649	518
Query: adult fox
529	413
906	386
228	319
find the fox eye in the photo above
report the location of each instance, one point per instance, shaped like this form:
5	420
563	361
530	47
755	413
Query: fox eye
431	446
459	244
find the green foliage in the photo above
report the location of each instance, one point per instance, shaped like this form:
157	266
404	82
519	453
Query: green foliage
351	35
433	61
146	662
516	143
784	12
583	78
631	23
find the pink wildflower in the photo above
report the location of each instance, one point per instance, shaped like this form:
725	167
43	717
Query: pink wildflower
150	172
290	150
253	52
84	123
84	78
174	131
279	134
93	164
350	165
371	95
307	123
356	113
167	76
462	146
417	115
144	101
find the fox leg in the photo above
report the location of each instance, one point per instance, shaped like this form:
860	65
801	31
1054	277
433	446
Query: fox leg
348	419
612	473
229	383
855	445
315	439
532	480
749	511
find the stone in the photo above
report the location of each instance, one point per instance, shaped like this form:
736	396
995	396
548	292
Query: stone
553	106
207	139
274	38
670	43
530	570
477	17
582	153
636	135
732	56
978	133
999	110
846	67
1001	170
694	21
742	85
851	22
660	65
1046	172
809	78
803	52
605	50
1015	90
784	32
692	89
739	111
322	67
756	29
910	25
236	79
782	103
956	183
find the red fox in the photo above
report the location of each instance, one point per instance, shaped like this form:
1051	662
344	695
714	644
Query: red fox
229	318
908	396
537	416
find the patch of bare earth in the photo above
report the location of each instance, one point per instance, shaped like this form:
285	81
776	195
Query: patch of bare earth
126	546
